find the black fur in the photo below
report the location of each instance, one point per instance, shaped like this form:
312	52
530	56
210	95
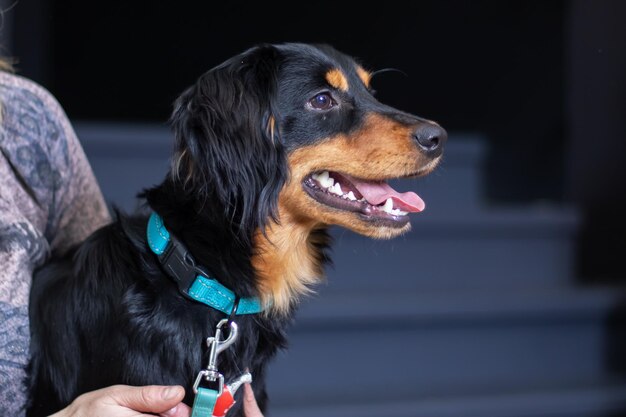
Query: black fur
105	313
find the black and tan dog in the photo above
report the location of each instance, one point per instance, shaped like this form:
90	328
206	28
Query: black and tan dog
271	147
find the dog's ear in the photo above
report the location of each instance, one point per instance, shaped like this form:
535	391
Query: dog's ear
228	149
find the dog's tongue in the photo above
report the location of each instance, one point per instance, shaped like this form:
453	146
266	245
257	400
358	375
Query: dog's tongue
378	192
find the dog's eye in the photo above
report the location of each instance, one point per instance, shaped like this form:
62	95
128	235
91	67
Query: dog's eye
322	101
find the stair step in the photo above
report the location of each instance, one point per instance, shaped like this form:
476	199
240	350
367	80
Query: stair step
595	401
494	248
331	309
126	157
404	347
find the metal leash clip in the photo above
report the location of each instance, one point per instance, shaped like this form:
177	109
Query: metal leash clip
216	346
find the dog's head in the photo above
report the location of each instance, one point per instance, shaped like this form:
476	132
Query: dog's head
292	132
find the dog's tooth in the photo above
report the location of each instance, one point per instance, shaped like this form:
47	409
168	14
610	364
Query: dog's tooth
351	196
388	207
398	212
328	183
323	179
336	189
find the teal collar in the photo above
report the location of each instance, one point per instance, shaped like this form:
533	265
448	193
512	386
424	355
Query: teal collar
192	281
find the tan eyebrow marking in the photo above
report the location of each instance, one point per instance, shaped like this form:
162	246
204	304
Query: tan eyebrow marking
271	127
364	75
337	79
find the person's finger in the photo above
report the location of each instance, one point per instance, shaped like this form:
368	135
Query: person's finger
250	407
180	410
151	398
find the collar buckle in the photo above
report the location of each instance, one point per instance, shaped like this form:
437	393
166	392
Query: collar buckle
180	265
191	279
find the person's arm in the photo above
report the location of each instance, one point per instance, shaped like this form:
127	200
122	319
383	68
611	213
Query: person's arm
49	200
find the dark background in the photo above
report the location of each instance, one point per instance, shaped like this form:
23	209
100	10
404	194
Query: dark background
495	67
542	80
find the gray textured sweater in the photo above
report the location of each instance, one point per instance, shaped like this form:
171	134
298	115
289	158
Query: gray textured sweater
49	200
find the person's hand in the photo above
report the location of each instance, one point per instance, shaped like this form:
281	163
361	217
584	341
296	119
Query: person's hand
127	401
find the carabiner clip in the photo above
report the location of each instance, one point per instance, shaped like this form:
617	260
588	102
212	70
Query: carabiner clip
216	346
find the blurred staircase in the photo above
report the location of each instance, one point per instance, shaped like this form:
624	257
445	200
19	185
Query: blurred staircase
476	312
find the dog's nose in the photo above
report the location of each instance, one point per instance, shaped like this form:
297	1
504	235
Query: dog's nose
430	137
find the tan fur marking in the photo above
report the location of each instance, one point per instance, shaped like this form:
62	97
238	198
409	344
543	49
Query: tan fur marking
364	75
337	79
285	262
271	125
182	160
285	259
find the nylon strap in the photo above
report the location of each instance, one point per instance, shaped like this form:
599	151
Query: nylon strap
204	403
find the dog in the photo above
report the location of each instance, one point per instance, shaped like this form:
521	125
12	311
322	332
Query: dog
271	148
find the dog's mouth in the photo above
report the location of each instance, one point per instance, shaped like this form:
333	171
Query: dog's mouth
373	201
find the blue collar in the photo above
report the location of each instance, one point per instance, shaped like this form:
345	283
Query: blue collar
192	281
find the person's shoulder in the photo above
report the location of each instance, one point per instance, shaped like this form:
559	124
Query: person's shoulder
10	80
16	86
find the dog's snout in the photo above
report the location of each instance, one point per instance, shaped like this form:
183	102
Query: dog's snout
430	137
